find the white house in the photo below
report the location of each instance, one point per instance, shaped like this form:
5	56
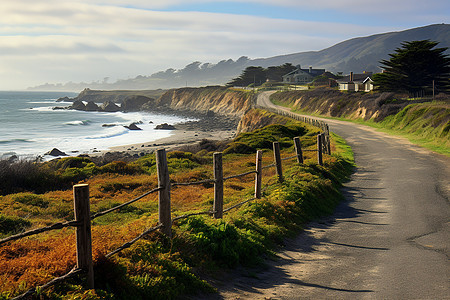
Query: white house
356	82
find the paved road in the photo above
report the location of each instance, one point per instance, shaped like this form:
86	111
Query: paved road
388	240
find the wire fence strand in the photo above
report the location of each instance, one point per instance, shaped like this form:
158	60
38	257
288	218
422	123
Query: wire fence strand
74	272
193	183
40	230
268	166
102	213
237	205
130	243
239	175
290	157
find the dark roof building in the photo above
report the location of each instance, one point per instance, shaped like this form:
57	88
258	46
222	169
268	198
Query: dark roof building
302	76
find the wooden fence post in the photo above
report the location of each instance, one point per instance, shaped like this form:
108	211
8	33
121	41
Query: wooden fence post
258	175
328	139
218	185
322	138
277	157
319	149
327	143
83	233
164	193
298	150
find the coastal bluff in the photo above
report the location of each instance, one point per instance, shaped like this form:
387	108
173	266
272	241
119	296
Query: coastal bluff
217	99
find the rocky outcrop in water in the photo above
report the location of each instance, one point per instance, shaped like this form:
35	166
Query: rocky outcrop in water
109	106
78	105
165	126
133	126
56	152
91	106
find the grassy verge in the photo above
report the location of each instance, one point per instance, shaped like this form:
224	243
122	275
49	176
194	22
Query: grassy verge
424	124
157	266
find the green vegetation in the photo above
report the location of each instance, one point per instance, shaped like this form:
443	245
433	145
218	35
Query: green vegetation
264	138
157	266
12	225
415	68
256	76
426	124
423	123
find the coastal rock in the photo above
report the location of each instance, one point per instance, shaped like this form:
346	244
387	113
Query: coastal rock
132	127
109	106
135	103
91	106
165	126
78	105
59	108
64	99
109	125
56	152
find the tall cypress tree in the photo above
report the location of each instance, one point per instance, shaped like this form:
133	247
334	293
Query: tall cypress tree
414	67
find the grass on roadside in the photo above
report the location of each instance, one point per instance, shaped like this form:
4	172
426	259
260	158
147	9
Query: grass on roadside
157	266
424	124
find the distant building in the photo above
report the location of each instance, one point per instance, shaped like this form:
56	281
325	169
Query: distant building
302	76
356	82
326	79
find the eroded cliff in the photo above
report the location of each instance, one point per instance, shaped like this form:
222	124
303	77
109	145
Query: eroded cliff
220	100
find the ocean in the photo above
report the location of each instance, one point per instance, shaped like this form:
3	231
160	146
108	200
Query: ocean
29	126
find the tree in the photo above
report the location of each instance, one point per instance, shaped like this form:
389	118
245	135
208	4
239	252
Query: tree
250	75
414	67
276	73
259	75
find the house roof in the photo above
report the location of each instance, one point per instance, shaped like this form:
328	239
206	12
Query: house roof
312	72
359	78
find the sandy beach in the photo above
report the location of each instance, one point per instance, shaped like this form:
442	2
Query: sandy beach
217	128
176	140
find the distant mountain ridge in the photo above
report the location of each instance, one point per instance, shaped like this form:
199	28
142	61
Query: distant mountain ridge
357	55
363	53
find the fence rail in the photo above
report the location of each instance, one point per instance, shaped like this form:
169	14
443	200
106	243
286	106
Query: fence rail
83	216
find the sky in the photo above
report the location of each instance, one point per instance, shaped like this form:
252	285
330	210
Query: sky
58	41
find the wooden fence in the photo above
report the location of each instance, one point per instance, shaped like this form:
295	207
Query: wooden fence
83	215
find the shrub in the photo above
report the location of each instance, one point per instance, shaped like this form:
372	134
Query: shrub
120	167
263	138
222	241
24	175
11	225
31	199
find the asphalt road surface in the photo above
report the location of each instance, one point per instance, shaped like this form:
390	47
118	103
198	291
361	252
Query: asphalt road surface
388	240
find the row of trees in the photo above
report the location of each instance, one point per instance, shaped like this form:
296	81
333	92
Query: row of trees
417	67
259	75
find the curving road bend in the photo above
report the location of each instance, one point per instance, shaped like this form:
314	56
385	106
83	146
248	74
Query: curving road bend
390	239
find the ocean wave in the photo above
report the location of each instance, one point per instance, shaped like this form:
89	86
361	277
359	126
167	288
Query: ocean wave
15	141
42	108
114	132
78	122
42	102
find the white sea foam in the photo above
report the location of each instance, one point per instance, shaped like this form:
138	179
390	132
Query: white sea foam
78	122
42	102
30	126
109	133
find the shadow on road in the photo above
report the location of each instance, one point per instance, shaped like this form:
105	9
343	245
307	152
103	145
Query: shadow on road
274	273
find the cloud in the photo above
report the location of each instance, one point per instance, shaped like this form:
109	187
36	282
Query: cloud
83	40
